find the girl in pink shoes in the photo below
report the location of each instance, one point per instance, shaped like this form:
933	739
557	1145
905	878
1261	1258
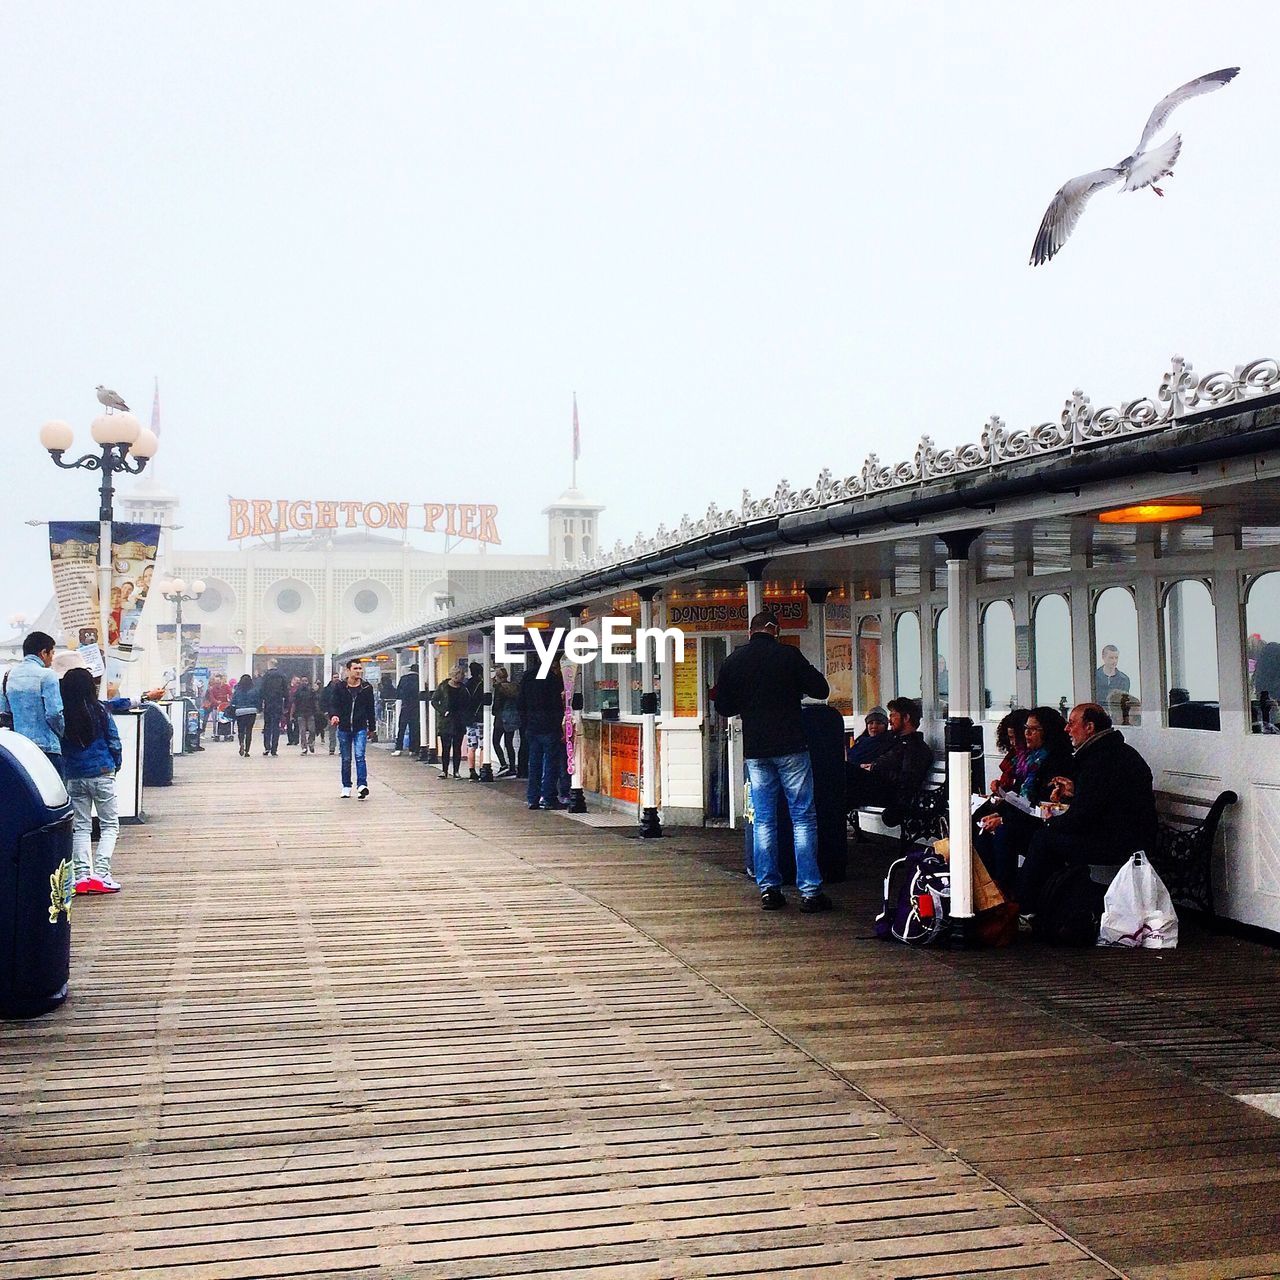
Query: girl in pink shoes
92	753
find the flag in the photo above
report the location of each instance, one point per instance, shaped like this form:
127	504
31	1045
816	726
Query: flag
155	410
577	436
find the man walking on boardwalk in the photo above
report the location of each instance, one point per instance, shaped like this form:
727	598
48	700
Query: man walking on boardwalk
354	718
763	683
275	688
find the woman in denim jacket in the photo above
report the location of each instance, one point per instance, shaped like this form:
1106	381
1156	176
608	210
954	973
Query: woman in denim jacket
92	753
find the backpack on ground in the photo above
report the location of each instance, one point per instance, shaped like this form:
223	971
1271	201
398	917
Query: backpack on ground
1070	908
917	900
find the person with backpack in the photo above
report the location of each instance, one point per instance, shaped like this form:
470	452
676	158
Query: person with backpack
92	752
356	720
763	682
244	706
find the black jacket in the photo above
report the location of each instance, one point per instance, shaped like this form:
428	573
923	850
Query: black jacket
1113	811
542	703
763	683
453	705
275	688
354	707
905	765
407	689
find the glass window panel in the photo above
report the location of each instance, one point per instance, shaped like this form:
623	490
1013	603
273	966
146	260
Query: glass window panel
942	674
1190	634
999	680
1117	680
868	663
906	655
1262	625
1053	654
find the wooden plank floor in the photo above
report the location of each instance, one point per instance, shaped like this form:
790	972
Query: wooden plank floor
435	1034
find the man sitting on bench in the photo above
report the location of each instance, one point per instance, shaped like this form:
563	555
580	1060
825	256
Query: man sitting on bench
899	774
1111	806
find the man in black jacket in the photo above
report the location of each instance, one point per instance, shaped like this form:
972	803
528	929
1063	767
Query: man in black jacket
408	695
1111	806
355	719
542	717
275	688
763	683
895	777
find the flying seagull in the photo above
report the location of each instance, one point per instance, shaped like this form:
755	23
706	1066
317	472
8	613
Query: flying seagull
109	398
1144	168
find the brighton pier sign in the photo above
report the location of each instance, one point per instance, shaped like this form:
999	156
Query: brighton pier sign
258	517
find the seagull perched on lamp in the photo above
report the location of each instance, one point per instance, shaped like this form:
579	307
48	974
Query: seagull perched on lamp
109	398
1144	168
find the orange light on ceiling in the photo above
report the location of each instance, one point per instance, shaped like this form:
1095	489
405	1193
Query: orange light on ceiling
536	626
1152	513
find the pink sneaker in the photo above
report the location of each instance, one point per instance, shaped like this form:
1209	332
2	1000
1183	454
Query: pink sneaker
84	886
94	885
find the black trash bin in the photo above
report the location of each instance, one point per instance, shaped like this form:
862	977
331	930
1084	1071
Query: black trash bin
824	732
157	747
35	880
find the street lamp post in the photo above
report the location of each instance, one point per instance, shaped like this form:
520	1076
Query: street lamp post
176	591
126	446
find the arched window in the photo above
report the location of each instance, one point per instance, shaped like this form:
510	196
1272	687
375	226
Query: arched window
568	547
1262	628
868	658
1117	678
942	672
1189	632
998	670
1053	654
906	655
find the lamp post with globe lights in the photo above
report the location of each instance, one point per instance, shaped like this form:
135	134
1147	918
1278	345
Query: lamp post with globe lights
177	592
125	446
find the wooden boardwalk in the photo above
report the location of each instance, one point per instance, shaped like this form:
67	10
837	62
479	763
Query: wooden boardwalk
434	1034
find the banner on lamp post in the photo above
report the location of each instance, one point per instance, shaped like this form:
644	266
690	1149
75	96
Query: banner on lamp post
133	561
73	557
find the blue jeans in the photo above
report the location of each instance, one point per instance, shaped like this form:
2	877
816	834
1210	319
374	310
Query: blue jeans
544	767
793	776
346	742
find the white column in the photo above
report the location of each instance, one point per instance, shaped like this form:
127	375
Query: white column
429	743
650	824
577	800
1235	714
959	770
486	659
424	658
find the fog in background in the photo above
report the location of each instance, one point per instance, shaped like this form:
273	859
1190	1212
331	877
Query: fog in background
371	251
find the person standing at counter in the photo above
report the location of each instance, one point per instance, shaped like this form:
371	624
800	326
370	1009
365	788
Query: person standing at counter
92	753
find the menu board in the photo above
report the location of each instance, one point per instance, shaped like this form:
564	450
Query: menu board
684	681
840	672
624	762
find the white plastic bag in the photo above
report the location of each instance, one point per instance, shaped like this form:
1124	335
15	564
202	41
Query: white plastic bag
1137	911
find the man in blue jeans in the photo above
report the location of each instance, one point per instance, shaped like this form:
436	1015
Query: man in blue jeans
32	696
353	715
763	683
541	704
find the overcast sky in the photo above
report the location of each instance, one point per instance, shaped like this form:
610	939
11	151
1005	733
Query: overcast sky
370	251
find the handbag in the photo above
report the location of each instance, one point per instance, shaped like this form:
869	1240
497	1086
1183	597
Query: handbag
1138	911
6	717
